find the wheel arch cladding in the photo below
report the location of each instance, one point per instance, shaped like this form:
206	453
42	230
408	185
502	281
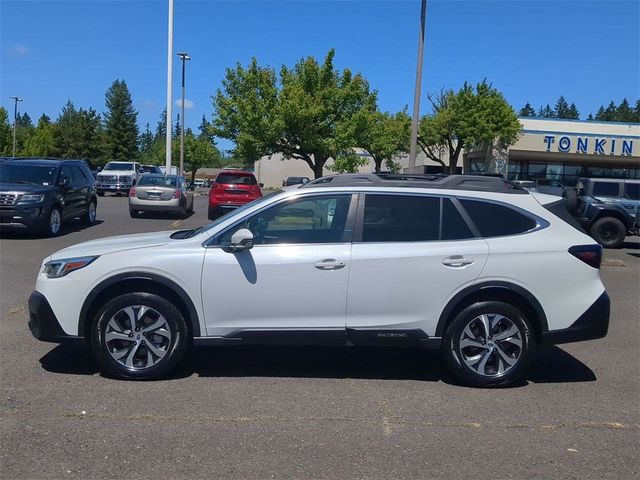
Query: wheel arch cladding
505	292
138	282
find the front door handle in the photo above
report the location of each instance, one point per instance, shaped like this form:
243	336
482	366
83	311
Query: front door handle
329	264
457	261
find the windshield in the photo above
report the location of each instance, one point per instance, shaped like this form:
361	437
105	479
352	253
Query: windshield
118	166
157	181
235	212
36	174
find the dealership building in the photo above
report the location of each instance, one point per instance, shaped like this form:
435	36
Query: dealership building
563	150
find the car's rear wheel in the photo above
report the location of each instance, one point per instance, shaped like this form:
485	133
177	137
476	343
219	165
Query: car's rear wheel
133	213
489	344
90	216
139	336
608	232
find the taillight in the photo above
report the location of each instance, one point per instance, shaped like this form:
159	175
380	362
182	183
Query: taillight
589	254
176	194
132	192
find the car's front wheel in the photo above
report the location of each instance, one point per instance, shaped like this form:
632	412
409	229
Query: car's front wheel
489	344
90	217
139	336
53	223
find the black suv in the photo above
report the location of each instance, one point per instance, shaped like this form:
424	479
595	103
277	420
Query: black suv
39	194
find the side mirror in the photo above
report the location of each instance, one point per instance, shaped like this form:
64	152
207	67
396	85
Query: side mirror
66	182
141	170
261	185
241	240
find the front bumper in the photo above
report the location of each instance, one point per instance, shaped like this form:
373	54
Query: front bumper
43	323
23	216
592	324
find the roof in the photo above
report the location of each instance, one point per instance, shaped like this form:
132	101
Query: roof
439	181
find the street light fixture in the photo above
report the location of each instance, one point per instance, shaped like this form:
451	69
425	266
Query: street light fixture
15	122
184	56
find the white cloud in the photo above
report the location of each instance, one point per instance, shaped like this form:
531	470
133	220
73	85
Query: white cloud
21	50
187	104
150	104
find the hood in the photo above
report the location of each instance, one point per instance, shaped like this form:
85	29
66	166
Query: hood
107	245
26	188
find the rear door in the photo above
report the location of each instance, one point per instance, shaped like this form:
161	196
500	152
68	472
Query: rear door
412	254
83	187
72	196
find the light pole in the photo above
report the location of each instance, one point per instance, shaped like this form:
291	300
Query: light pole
416	98
184	56
15	120
169	87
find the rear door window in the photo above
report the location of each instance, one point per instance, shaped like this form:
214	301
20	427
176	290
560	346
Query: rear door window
606	189
632	191
494	220
453	225
401	218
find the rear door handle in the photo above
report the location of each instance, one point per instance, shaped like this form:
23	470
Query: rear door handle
329	264
457	261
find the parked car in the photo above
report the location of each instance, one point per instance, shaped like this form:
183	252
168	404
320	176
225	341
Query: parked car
160	193
117	177
607	208
295	181
149	169
550	186
39	194
199	183
473	266
230	190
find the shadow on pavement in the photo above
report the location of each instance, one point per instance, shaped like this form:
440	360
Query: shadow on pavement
554	365
551	365
635	245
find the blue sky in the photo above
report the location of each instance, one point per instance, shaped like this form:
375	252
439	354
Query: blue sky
51	51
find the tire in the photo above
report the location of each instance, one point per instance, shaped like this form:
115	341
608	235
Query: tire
134	213
150	348
53	224
100	194
489	362
571	196
90	217
608	232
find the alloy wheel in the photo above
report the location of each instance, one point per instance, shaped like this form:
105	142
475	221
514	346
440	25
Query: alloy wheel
137	337
490	345
54	221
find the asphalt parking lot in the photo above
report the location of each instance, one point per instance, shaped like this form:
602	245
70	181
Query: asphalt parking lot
310	412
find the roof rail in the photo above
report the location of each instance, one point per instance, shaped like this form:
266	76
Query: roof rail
440	181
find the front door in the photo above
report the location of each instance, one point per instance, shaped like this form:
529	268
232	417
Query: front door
295	276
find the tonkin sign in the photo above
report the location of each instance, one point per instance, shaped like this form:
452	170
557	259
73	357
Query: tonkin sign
591	145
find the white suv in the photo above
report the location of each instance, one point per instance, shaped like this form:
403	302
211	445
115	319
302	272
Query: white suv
473	266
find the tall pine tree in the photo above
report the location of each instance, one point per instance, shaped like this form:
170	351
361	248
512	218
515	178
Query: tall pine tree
6	137
121	127
527	111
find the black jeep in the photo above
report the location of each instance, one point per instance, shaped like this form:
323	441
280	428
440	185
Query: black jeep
39	194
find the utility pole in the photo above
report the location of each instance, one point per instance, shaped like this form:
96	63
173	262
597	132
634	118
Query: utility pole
184	56
169	88
416	99
15	120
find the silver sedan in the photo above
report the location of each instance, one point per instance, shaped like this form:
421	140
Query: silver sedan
160	193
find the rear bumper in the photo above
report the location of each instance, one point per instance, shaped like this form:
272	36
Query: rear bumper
592	324
43	322
173	204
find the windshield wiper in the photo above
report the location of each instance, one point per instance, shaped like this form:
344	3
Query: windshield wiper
25	181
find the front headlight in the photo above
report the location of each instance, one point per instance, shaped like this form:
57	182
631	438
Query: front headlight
32	198
59	268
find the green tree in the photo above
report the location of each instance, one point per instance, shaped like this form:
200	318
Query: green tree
471	117
547	112
314	115
78	134
573	113
636	111
384	136
42	142
624	112
145	145
562	108
527	111
199	151
120	120
6	135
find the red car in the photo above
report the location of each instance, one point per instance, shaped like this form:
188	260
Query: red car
232	189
